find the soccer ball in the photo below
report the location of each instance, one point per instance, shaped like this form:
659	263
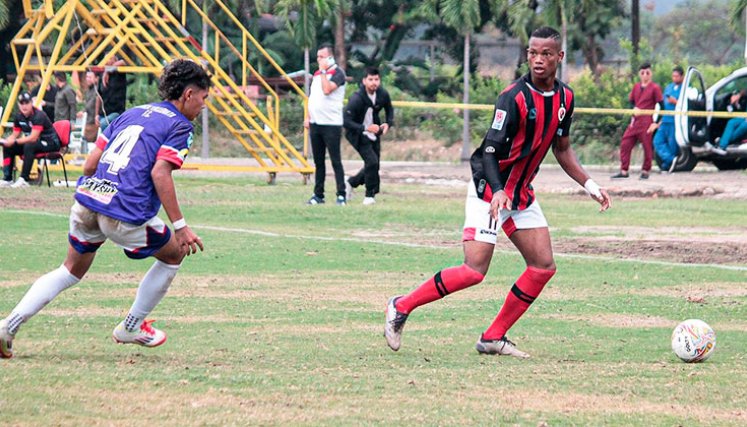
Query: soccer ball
693	341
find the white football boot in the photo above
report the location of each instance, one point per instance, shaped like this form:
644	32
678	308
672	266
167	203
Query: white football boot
147	336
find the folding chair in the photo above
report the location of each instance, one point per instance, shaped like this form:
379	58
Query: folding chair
63	128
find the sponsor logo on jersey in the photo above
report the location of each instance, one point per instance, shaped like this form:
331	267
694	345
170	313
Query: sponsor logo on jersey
481	186
500	118
101	190
561	113
490	149
532	114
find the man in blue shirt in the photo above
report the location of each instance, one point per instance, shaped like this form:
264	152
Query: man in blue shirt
127	177
664	142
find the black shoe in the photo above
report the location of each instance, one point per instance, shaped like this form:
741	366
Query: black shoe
315	200
620	175
644	176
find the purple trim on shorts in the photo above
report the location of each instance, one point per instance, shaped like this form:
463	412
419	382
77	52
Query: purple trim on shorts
154	239
83	247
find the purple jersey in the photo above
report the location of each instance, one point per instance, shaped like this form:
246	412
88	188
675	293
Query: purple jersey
122	187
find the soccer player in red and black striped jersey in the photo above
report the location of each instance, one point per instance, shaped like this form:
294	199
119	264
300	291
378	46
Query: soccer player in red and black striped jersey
532	115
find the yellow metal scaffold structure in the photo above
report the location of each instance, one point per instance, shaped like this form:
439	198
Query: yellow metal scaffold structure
85	34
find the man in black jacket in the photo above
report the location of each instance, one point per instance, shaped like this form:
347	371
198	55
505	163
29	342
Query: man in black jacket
363	128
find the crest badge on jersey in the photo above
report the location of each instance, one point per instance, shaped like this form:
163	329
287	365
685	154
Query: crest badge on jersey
561	113
500	118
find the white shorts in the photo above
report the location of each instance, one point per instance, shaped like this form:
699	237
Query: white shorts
89	230
481	227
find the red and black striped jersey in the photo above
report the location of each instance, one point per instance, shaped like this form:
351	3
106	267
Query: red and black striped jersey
526	122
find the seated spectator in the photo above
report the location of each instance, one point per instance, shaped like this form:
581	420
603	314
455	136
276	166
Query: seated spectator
736	128
32	133
64	101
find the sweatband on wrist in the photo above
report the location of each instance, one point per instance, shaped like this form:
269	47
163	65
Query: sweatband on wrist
179	224
592	188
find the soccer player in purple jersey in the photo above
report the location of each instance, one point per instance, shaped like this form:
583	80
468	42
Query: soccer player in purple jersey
127	178
532	115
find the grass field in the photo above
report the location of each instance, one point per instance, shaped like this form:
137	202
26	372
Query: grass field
279	321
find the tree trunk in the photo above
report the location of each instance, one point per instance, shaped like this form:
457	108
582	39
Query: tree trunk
564	47
635	24
466	143
205	124
306	67
340	53
592	57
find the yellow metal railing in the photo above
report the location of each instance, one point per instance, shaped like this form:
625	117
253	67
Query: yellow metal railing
146	34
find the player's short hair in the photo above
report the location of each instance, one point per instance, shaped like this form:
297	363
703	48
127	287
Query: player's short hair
546	33
372	71
178	75
330	49
60	75
678	69
645	66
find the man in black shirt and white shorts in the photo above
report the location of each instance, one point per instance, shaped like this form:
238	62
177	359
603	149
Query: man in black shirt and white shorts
32	133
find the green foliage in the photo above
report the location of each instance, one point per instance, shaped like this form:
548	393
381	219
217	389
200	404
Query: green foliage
609	91
446	124
5	94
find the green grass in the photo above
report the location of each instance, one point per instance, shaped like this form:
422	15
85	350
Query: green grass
279	320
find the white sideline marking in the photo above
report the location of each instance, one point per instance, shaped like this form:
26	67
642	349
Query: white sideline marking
418	245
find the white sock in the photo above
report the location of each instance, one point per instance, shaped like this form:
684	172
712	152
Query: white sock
152	289
44	290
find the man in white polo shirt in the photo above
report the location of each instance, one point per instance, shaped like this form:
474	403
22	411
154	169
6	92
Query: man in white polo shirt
325	122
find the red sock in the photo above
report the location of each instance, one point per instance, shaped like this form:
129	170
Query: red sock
443	283
527	287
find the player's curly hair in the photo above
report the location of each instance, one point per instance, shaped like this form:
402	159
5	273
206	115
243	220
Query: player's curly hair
178	75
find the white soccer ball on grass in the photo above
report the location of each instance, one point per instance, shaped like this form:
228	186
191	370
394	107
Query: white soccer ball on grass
693	341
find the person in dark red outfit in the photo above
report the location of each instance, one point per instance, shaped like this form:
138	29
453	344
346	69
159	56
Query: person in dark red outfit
532	116
644	96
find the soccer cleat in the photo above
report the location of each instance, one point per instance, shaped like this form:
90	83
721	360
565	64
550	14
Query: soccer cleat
620	175
315	200
503	347
369	201
341	201
644	176
20	182
6	341
718	150
348	189
395	321
147	336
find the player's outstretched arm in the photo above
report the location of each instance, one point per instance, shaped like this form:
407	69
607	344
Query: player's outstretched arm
569	162
166	190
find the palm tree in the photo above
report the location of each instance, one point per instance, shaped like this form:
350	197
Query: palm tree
4	14
463	16
737	10
302	18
